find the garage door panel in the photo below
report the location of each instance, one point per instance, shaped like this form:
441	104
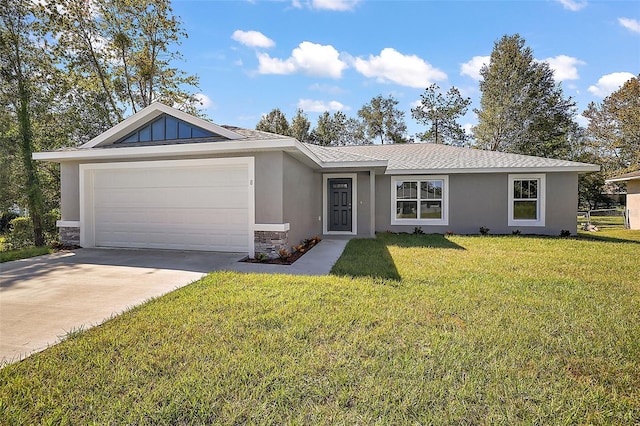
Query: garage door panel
189	208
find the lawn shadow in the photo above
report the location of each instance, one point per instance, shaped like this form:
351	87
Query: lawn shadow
418	240
605	238
368	257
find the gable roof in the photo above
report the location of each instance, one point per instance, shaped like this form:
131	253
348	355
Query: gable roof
625	177
435	158
147	115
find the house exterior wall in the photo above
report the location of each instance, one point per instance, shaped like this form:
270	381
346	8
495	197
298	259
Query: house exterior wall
70	191
364	205
633	203
481	200
269	189
302	189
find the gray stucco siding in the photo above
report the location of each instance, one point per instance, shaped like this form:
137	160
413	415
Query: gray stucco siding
302	196
481	200
70	191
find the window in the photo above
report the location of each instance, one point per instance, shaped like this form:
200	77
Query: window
419	200
166	128
526	200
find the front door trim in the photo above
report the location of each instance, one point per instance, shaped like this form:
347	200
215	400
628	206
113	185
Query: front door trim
354	203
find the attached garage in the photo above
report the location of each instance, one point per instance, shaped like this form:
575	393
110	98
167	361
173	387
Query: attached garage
203	204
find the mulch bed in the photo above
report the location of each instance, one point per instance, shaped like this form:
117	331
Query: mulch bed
279	261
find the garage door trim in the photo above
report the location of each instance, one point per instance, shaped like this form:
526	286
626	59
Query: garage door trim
87	214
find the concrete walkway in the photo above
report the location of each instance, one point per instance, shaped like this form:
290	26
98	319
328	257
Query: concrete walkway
45	297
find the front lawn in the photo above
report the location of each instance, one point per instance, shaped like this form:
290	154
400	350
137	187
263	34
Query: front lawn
9	255
412	329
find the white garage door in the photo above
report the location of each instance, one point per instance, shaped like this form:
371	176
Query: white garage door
185	205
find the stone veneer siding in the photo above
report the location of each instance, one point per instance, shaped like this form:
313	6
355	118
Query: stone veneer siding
70	235
271	242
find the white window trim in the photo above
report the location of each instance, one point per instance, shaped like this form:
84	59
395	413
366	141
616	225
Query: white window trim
542	190
426	222
354	203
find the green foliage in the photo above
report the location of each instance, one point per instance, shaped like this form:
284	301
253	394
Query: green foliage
274	122
382	120
300	126
24	253
522	109
20	234
440	114
5	218
337	129
614	129
484	231
463	335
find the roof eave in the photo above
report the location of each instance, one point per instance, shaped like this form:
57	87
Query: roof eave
623	179
163	151
579	169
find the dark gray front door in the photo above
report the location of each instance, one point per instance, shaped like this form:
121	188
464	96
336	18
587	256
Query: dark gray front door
339	204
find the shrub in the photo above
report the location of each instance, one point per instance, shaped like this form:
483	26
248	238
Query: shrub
5	218
484	230
565	233
20	234
516	232
284	254
418	230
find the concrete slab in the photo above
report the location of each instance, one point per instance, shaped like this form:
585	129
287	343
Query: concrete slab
45	297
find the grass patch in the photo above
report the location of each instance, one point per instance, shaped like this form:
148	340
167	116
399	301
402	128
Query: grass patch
9	255
417	330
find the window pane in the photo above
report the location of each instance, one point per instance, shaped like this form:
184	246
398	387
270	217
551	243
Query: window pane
184	131
132	138
431	189
157	130
406	190
431	210
525	210
199	133
517	189
407	210
171	128
533	189
145	134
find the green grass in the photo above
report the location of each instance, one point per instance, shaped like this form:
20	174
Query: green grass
413	329
9	255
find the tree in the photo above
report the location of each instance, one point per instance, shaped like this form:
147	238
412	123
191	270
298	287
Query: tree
274	122
121	52
614	128
383	120
300	126
22	62
522	109
440	113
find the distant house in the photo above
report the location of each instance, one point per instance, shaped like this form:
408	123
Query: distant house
632	212
165	179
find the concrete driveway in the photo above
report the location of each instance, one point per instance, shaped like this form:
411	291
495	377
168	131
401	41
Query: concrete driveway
45	297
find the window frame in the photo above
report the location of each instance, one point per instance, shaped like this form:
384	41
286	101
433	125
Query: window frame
443	221
540	199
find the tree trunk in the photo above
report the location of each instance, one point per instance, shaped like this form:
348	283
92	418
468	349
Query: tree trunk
34	192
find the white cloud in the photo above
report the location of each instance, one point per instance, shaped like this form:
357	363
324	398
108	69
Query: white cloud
564	67
311	105
392	66
472	68
630	24
607	84
335	5
573	5
204	100
252	39
582	121
309	58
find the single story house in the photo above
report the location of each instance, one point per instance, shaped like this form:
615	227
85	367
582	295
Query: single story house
632	211
165	179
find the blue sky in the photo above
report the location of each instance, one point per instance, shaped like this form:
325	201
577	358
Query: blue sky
253	56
